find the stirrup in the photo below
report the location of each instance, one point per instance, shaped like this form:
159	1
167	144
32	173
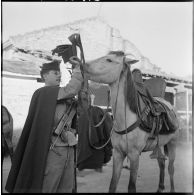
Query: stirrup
157	154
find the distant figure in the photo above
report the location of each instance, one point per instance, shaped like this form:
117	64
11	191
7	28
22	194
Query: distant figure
6	134
88	157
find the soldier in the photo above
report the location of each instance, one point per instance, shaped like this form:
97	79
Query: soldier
44	161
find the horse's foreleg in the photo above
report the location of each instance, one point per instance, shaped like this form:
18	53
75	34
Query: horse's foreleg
118	159
171	154
161	163
134	165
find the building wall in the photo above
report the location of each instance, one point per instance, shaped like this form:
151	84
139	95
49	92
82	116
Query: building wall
184	107
16	96
97	38
181	101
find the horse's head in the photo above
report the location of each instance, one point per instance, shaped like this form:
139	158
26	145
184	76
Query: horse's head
107	69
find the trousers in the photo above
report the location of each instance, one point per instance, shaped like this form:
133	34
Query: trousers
59	171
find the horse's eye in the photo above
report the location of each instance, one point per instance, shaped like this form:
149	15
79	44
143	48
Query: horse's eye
108	60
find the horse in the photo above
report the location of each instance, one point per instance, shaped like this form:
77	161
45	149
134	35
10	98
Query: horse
114	69
7	133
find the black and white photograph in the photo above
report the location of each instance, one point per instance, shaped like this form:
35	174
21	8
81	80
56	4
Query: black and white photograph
97	97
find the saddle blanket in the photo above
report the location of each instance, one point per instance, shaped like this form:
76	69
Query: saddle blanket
170	114
168	117
163	101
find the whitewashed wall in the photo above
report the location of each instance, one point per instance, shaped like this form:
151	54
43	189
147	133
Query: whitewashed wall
16	96
97	38
17	93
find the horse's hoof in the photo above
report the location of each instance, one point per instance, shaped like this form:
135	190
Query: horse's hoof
132	191
160	190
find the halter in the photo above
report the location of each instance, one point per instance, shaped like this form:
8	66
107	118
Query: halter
76	41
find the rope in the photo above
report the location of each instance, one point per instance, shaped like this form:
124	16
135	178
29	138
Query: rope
75	39
100	147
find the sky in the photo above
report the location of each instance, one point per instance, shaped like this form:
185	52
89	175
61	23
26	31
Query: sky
161	31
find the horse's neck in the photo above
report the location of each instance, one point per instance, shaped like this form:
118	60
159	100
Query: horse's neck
119	104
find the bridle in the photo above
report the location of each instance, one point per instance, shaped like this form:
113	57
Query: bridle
76	41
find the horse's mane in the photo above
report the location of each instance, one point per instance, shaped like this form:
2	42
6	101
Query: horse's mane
131	92
130	89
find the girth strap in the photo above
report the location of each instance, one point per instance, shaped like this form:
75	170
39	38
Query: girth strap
136	123
130	128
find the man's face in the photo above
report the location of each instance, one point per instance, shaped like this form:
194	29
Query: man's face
52	78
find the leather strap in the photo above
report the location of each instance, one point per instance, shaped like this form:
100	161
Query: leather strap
135	124
130	128
67	121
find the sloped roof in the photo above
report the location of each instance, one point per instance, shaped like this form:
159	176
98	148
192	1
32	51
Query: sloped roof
32	50
70	25
21	67
34	39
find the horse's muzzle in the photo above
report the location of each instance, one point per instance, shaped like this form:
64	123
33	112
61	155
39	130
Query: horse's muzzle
86	67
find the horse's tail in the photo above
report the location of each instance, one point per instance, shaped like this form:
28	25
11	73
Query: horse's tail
166	150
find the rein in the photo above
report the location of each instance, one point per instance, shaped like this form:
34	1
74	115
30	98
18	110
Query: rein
76	41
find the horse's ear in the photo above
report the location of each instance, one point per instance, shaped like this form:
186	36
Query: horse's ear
129	61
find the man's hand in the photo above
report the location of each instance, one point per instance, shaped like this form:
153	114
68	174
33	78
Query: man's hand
75	61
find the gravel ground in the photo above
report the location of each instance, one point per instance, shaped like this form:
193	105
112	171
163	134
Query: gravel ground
148	174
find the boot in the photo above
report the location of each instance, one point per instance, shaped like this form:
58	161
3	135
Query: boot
157	153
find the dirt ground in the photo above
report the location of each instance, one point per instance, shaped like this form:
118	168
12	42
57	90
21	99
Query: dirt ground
148	174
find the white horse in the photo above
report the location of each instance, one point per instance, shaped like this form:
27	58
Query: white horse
113	69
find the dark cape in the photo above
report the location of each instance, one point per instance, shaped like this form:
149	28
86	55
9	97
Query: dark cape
29	160
88	157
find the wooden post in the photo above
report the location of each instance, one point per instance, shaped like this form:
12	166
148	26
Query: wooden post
187	116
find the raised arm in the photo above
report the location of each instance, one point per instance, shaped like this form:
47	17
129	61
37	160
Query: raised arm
74	85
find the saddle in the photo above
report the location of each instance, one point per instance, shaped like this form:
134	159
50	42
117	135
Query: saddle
160	117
